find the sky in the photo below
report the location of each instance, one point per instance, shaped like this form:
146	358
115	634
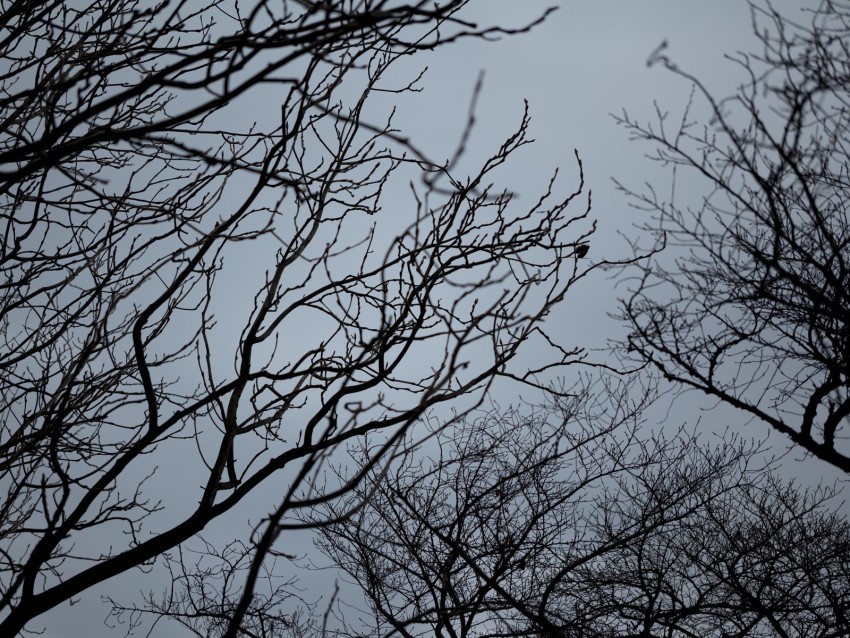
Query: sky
587	61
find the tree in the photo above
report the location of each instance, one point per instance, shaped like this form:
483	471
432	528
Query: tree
750	301
205	588
209	280
571	521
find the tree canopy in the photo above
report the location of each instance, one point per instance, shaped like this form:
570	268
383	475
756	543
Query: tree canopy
232	283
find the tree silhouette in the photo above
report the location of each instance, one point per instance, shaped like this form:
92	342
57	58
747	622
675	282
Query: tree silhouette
750	301
210	282
572	521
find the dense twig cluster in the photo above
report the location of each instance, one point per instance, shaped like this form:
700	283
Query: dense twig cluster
570	523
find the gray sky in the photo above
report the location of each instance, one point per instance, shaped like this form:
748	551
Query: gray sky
586	61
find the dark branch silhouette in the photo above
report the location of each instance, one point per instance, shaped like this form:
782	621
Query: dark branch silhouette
214	280
750	301
573	522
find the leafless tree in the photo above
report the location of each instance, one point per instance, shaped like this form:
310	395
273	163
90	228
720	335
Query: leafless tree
206	585
750	302
571	522
744	554
211	284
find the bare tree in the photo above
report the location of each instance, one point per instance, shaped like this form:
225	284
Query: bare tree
743	554
750	303
206	585
209	279
566	523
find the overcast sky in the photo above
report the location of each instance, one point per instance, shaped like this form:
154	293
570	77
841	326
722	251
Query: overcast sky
585	62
